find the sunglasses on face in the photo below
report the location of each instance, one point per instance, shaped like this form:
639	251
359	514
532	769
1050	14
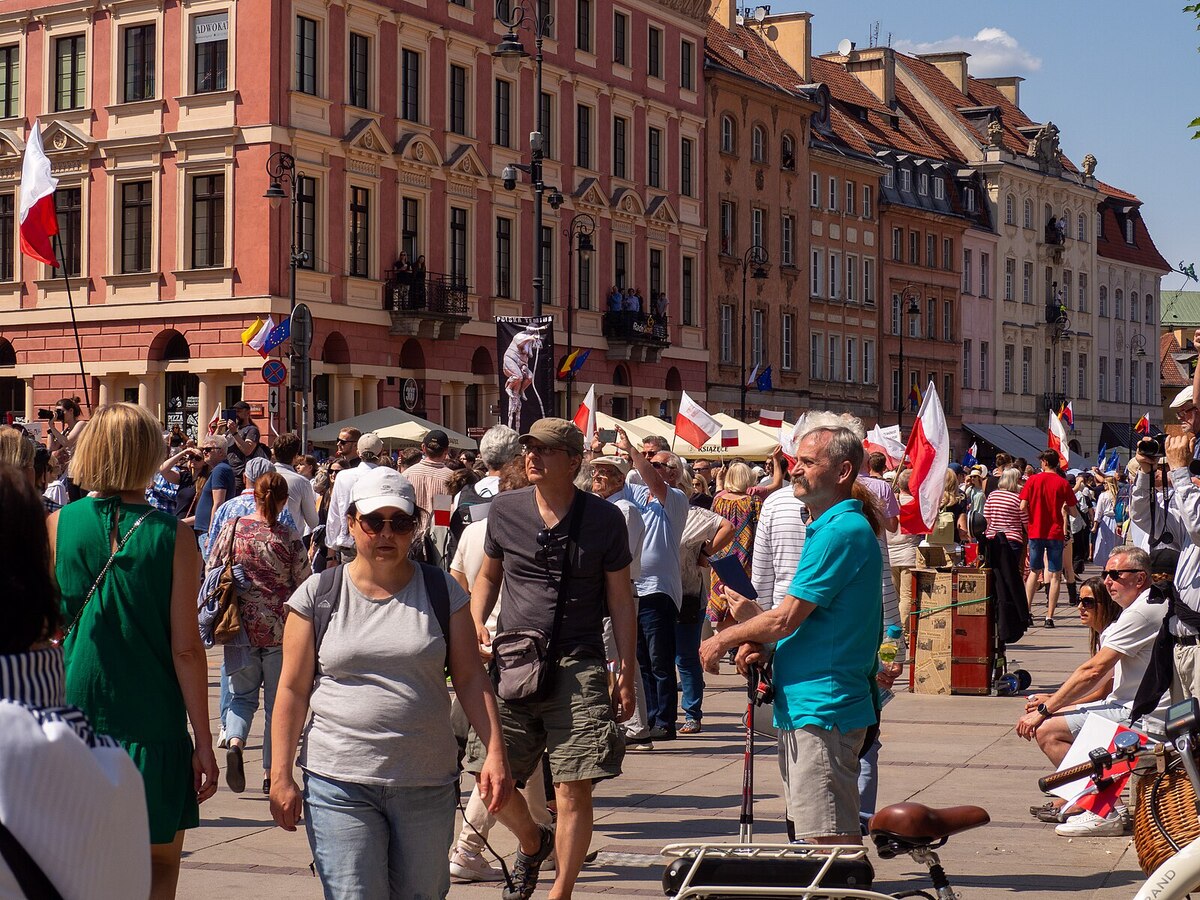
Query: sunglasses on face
539	450
372	523
1087	603
662	465
208	450
344	441
1114	574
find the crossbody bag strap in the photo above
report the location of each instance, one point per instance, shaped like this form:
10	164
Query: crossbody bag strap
560	606
32	881
108	565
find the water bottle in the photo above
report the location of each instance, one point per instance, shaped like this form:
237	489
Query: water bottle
888	651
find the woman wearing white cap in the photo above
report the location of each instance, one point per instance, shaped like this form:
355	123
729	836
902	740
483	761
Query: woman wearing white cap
365	649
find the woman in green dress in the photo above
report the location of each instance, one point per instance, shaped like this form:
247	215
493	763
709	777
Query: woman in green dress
134	660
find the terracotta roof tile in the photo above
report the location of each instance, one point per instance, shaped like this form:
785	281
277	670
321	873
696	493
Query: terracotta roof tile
1116	192
1172	373
846	87
743	51
1111	243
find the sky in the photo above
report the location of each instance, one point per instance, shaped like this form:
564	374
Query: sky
1121	80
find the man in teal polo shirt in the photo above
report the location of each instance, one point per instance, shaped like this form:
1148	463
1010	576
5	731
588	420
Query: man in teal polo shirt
829	628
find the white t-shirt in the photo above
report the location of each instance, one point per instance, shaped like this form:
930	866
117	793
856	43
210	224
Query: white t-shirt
468	559
1133	635
637	533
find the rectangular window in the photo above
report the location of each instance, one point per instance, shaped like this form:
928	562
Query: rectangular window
360	232
1118	386
306	221
758	235
654	153
687	65
210	36
502	114
948	391
868	201
547	251
726	332
923	184
851	359
1083	292
360	71
985	275
583	136
458	244
895	324
832	369
410	221
898	244
914	248
816	264
70	72
787	241
728	227
1027	283
931	319
139	63
895	388
306	55
654	39
786	337
939	190
966	365
930	250
835	276
1026	370
620	38
458	99
504	257
947	321
68	202
656	257
1010	277
889	177
815	197
1149	381
851	197
966	272
947	254
688	288
1082	379
208	221
1065	380
547	114
619	152
868	282
868	362
1102	380
583	25
833	194
136	225
906	180
756	338
583	279
983	366
7	230
1008	368
621	264
410	85
10	81
687	153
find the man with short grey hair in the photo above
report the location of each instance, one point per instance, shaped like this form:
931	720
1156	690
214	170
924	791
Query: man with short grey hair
499	446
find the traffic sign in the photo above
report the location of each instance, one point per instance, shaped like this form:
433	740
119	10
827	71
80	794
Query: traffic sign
274	372
410	394
302	329
476	433
273	400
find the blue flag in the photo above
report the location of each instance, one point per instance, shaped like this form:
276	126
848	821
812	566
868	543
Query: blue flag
278	335
1100	458
763	382
968	460
1113	465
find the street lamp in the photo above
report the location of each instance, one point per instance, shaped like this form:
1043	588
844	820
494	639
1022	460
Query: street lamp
1137	350
579	236
908	315
757	257
1060	330
510	51
281	168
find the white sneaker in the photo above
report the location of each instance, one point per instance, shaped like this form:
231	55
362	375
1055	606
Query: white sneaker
472	867
1088	823
222	741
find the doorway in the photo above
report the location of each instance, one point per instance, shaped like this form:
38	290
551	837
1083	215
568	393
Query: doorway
183	403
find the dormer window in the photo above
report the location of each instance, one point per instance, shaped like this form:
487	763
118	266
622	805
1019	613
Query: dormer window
906	180
969	199
939	188
1129	229
889	177
923	184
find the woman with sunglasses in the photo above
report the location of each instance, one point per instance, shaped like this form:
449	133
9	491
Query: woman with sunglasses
379	756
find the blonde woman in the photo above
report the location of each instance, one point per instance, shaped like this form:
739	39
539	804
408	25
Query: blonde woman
1104	528
740	507
135	665
952	513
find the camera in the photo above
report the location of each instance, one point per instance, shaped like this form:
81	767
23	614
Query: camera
509	176
47	415
1150	446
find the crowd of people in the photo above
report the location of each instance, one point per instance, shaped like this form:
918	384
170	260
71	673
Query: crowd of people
364	600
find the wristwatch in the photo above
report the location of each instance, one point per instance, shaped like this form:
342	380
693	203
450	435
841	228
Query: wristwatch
1043	711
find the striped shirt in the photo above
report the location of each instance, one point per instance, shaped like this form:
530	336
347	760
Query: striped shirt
1002	509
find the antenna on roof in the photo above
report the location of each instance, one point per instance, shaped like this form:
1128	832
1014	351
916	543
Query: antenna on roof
874	33
889	43
761	12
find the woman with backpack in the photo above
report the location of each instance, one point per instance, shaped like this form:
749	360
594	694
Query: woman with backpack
370	642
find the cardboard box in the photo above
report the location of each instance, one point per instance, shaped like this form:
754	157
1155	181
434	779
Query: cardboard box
953	646
932	557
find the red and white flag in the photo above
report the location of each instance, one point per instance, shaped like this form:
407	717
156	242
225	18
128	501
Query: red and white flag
693	424
443	505
928	453
1057	440
585	416
39	222
729	437
880	441
1083	792
772	418
215	420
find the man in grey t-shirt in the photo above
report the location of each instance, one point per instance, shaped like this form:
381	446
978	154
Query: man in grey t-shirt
526	547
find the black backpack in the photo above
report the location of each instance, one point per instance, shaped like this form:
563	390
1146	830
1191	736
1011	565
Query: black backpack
462	517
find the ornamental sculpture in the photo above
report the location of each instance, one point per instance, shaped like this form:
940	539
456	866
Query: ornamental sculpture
1089	166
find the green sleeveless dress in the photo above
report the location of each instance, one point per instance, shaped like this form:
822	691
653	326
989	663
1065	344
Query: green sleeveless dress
119	666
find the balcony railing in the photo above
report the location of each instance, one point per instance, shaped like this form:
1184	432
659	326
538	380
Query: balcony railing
637	328
433	306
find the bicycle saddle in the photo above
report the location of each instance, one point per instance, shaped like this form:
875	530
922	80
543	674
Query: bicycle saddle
916	823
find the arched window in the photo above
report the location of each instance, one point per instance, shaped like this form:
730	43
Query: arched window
1150	320
1027	219
1133	306
1081	227
177	348
728	135
787	152
1066	223
8	356
1010	210
758	144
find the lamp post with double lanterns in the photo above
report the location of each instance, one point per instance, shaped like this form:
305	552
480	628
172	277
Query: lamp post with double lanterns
1060	331
1137	351
908	314
757	257
511	51
579	237
281	168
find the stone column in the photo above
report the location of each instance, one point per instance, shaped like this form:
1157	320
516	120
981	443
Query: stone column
344	407
205	394
105	395
148	394
30	414
370	393
457	420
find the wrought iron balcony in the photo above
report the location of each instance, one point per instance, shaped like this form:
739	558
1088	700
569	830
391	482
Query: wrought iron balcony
434	306
636	336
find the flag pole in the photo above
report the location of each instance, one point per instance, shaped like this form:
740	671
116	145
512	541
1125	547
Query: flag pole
87	394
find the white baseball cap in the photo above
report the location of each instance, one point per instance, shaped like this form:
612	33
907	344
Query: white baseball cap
1183	398
381	488
620	463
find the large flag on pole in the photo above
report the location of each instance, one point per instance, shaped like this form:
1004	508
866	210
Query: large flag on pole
585	416
693	424
258	342
928	453
39	222
1057	439
879	441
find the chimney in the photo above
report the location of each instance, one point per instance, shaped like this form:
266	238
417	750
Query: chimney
876	69
725	13
793	41
952	65
1010	87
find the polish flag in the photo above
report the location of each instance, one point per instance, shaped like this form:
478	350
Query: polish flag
879	441
693	424
215	420
1083	792
928	452
39	222
772	418
729	437
1057	440
789	439
443	504
258	343
585	416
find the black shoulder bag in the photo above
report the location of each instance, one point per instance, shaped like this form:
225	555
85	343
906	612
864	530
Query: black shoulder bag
523	659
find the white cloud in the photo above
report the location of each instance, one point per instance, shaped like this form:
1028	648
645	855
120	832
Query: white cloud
993	52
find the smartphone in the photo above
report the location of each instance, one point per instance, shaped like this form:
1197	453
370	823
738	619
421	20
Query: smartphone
607	435
229	415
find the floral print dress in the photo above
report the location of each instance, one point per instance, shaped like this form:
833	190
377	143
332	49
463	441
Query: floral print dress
743	511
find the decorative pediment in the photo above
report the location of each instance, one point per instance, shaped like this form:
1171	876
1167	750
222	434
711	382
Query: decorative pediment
11	145
464	161
589	194
661	212
366	135
415	147
62	138
627	202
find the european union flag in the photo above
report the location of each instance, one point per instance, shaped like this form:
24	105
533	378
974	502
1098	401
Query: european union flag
278	335
763	382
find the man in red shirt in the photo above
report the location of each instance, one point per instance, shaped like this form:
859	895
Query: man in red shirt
1043	499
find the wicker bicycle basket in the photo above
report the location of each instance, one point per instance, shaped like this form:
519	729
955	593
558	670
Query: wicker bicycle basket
1164	819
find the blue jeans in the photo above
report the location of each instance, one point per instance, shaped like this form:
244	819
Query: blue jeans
691	673
372	842
868	782
262	671
656	657
226	694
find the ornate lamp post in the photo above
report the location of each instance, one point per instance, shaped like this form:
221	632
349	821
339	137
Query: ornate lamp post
1137	350
579	237
757	257
281	168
